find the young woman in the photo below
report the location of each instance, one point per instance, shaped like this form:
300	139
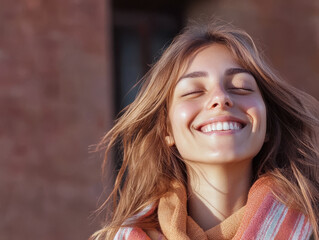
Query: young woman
215	146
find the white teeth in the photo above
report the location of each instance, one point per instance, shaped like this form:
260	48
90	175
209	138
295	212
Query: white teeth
214	127
236	126
221	126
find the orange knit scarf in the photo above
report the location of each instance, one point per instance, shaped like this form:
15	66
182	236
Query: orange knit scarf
263	217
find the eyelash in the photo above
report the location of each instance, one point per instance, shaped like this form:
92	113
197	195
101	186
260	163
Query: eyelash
244	89
192	92
233	89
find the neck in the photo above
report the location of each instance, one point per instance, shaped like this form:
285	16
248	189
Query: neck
217	191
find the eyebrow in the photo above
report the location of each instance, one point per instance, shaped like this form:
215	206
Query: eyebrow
228	72
233	71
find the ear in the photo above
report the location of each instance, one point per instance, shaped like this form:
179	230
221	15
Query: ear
169	141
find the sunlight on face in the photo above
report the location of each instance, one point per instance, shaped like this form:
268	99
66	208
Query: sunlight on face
217	113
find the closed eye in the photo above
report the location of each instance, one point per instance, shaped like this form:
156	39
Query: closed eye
193	93
241	90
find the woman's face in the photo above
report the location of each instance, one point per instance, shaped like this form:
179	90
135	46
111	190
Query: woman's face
217	114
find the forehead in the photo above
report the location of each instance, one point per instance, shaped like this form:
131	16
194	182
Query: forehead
214	55
209	56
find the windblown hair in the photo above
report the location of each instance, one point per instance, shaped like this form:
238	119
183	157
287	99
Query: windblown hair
150	166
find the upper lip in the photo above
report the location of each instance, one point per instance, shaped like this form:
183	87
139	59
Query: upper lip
223	118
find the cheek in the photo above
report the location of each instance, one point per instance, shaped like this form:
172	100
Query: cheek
256	109
182	114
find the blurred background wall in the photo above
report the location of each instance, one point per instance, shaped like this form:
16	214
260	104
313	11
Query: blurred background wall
55	101
66	68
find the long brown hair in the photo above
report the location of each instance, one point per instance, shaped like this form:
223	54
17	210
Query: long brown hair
150	166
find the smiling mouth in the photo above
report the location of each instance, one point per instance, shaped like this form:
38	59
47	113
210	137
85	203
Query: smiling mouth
221	126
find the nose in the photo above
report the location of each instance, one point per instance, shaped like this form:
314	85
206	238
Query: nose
219	98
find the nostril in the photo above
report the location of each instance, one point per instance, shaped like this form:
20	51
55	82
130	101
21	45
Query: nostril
216	104
219	101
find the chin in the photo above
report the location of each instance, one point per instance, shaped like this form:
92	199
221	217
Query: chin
225	158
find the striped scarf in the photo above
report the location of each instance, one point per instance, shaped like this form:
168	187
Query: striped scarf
263	218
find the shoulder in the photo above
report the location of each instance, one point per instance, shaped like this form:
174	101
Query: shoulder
131	233
266	216
134	233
